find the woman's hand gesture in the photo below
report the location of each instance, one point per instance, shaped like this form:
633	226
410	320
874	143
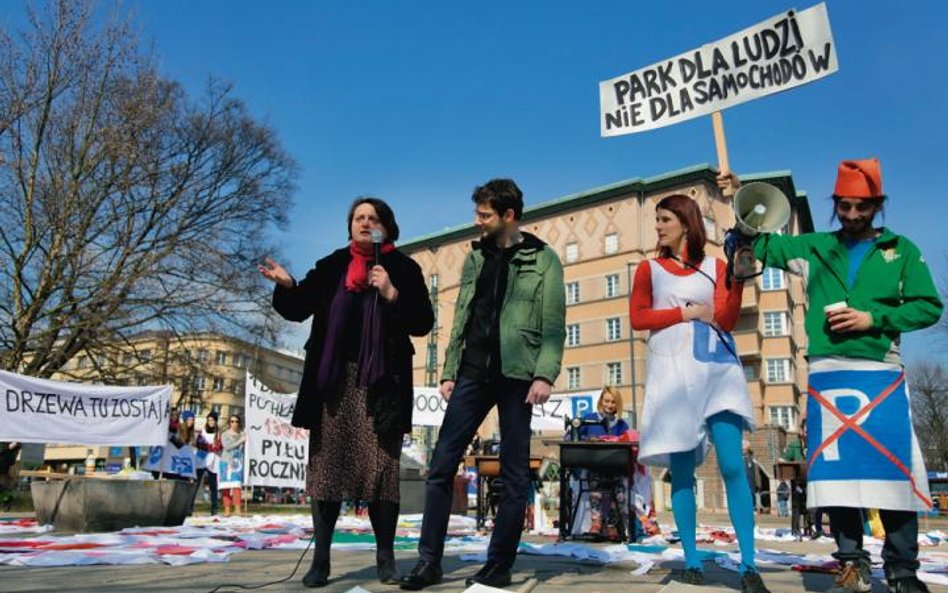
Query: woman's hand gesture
275	272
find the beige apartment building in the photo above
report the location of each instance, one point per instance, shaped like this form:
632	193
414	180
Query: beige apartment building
207	370
601	236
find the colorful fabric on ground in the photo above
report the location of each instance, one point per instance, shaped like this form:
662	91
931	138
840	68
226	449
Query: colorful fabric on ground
207	539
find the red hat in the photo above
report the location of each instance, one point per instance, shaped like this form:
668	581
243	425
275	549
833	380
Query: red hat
859	179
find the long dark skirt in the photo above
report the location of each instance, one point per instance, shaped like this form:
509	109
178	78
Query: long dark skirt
347	460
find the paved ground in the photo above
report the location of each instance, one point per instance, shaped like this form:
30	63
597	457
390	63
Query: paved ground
555	575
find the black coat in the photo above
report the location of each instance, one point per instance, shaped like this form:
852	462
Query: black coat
392	398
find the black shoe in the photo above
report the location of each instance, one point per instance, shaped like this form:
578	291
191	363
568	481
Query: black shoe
317	576
423	575
386	571
752	583
692	576
491	575
908	585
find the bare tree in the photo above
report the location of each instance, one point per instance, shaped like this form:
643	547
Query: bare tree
928	383
125	205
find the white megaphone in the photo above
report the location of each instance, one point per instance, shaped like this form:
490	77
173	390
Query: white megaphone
760	208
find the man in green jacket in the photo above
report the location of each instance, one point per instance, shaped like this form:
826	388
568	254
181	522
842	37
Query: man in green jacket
505	349
866	286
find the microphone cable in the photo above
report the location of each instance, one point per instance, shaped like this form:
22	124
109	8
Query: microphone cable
252	587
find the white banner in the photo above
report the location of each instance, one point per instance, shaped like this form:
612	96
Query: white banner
276	451
781	53
430	406
46	411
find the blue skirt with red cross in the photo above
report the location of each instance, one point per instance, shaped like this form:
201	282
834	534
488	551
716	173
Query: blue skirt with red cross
862	450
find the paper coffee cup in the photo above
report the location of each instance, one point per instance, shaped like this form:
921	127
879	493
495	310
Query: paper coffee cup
834	306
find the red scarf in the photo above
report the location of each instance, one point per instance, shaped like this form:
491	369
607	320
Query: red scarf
357	277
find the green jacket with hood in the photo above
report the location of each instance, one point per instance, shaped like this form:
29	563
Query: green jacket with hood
532	316
893	284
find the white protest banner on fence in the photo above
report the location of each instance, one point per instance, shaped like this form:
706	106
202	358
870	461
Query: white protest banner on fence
46	411
430	407
781	53
277	452
552	415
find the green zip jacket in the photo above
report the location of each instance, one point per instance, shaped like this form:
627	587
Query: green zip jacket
532	316
893	284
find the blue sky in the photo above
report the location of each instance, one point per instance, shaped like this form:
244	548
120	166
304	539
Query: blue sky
418	102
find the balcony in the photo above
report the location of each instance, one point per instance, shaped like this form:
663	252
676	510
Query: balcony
750	298
748	343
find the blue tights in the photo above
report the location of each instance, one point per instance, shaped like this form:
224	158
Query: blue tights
726	429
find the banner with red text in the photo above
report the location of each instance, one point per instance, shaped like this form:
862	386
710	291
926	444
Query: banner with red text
277	452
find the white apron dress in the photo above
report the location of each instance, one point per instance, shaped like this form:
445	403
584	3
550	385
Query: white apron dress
690	373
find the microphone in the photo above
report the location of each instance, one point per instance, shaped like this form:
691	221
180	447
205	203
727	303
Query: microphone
376	246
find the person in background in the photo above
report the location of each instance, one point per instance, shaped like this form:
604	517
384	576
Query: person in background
783	498
695	385
865	286
608	414
209	446
753	475
356	396
231	465
608	422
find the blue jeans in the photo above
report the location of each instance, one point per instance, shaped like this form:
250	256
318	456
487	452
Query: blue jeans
467	408
782	508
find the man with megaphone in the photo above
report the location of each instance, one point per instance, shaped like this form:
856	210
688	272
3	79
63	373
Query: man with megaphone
866	286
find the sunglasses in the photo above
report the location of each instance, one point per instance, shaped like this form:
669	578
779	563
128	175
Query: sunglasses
859	206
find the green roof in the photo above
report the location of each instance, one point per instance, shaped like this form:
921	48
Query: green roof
702	172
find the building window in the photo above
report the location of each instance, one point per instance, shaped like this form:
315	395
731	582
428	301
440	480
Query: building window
614	373
572	378
572	252
778	370
612	286
785	416
128	358
612	243
750	372
218	384
237	387
145	355
82	362
203	355
572	293
142	380
572	334
613	329
710	229
771	279
775	324
198	381
221	357
433	281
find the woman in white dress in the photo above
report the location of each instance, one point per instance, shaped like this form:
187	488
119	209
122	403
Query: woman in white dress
695	389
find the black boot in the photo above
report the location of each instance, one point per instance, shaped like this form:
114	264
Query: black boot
384	518
325	513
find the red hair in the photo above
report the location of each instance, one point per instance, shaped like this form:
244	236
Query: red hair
690	217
